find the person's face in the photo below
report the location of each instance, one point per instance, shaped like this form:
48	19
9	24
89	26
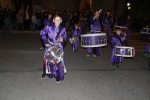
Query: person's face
76	27
75	14
108	13
128	17
118	32
84	18
97	14
49	16
57	21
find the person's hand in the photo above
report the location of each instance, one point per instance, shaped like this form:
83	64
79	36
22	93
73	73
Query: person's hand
47	45
61	39
125	35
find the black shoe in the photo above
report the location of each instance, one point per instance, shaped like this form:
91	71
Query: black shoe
57	80
43	76
117	65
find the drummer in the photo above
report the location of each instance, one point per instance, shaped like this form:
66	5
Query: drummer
76	32
54	33
127	24
108	22
96	25
117	40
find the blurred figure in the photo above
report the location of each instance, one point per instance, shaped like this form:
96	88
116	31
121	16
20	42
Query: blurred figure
14	13
75	18
67	21
27	17
7	15
42	18
84	25
108	22
48	21
1	18
34	22
127	24
20	21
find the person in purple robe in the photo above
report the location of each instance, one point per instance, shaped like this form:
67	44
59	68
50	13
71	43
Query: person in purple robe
76	32
96	25
84	25
127	24
108	22
48	21
117	40
147	50
54	34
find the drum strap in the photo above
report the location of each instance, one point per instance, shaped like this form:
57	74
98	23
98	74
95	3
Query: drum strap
119	39
58	33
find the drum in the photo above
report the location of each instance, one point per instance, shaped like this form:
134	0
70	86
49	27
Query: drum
124	29
54	54
124	51
94	40
74	39
145	31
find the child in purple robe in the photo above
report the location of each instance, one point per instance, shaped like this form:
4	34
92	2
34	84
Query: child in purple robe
76	32
116	40
48	21
96	25
54	34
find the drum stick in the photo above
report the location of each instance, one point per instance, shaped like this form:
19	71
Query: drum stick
100	10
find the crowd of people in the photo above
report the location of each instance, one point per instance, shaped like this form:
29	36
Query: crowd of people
26	19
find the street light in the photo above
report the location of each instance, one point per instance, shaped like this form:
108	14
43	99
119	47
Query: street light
129	7
128	4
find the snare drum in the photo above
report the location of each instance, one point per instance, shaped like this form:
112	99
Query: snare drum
124	29
124	51
94	40
145	31
54	54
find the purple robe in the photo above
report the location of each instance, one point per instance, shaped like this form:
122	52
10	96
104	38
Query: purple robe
108	24
95	25
84	24
49	34
47	22
127	24
116	42
76	32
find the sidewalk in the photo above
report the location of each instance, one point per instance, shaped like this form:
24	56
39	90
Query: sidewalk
16	31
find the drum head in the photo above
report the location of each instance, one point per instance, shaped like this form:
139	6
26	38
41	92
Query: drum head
53	53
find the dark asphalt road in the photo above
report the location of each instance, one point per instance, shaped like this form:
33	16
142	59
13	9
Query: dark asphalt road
87	78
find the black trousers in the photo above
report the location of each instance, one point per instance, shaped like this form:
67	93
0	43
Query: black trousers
27	25
20	25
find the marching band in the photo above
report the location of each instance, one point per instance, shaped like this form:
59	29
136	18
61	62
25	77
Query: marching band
54	36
